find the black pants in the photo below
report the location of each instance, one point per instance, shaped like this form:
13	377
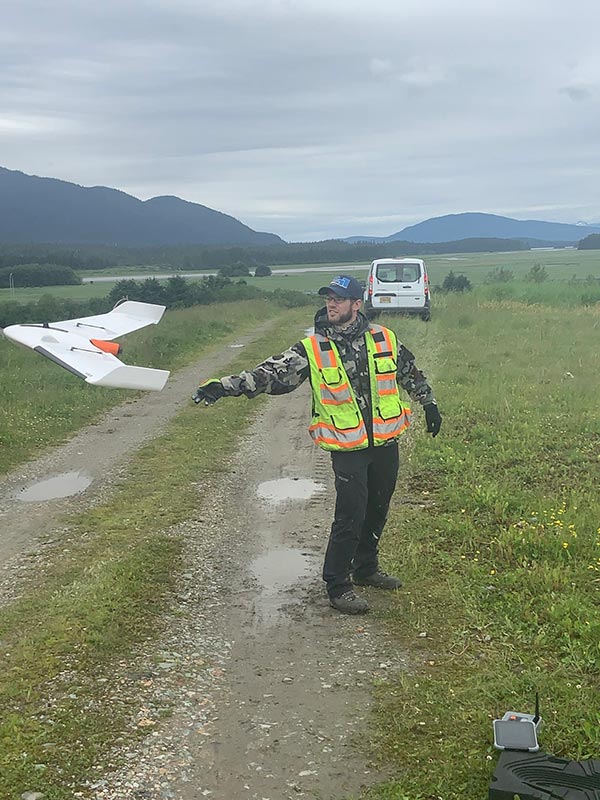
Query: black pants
364	481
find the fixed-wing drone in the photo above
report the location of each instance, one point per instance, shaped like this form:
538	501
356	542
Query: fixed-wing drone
86	348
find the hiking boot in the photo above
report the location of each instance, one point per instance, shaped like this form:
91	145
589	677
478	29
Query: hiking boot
379	579
349	603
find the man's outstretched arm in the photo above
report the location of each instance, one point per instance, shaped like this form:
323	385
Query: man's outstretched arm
278	374
413	381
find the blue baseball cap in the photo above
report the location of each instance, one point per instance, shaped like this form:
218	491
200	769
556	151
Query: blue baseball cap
344	286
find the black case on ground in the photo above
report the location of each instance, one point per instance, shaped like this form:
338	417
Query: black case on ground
539	776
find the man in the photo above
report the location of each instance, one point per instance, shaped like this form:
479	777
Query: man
354	368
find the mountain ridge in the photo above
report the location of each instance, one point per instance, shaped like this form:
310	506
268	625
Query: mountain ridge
36	209
470	224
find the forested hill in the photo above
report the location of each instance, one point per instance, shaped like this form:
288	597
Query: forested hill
34	209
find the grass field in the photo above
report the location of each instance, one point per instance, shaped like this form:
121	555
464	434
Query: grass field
80	292
561	266
495	530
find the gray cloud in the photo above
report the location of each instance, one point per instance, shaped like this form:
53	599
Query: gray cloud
311	119
577	93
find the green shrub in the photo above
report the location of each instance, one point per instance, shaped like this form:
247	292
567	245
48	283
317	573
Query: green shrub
456	283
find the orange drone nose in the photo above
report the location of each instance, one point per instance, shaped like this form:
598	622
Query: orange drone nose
114	348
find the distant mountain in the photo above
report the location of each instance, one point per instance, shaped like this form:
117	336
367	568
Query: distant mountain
48	210
487	226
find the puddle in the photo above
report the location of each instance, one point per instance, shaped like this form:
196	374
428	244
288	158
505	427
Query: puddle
64	485
277	572
282	489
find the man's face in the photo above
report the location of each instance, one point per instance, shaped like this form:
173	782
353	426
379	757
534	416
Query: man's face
341	310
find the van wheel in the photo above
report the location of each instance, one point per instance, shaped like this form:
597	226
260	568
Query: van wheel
426	316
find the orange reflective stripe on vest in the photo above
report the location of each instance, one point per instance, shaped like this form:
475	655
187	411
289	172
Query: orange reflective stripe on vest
390	428
337	422
335	390
340	425
335	396
386	384
331	438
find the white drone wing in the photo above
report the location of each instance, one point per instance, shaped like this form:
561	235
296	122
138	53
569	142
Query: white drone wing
84	346
123	319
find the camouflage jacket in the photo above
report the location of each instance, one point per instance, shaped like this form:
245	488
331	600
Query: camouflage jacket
283	373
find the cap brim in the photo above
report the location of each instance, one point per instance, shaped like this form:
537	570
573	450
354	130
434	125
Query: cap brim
326	289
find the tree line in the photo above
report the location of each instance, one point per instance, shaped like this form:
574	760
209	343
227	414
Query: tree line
28	275
14	255
591	242
201	257
38	275
176	292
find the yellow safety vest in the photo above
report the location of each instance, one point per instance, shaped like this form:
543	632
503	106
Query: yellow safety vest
337	422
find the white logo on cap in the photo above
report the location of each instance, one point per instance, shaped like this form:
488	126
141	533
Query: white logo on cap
341	281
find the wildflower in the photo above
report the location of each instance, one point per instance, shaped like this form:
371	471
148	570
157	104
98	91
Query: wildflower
565	545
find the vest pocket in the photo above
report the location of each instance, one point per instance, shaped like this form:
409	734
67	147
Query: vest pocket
384	364
331	375
389	406
349	421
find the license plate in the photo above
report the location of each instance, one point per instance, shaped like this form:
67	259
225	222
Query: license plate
385	299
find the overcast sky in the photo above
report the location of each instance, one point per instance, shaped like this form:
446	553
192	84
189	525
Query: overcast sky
311	118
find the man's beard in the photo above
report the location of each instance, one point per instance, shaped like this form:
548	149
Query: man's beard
344	319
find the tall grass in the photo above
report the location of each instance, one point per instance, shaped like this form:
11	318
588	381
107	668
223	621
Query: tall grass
554	293
497	534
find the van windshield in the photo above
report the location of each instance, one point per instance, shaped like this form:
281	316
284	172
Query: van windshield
398	273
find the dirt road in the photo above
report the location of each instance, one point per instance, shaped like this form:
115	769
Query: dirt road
94	458
268	687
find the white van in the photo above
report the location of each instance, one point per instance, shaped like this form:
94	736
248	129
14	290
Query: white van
398	284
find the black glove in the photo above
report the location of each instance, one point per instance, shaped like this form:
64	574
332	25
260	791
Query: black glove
433	418
209	393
